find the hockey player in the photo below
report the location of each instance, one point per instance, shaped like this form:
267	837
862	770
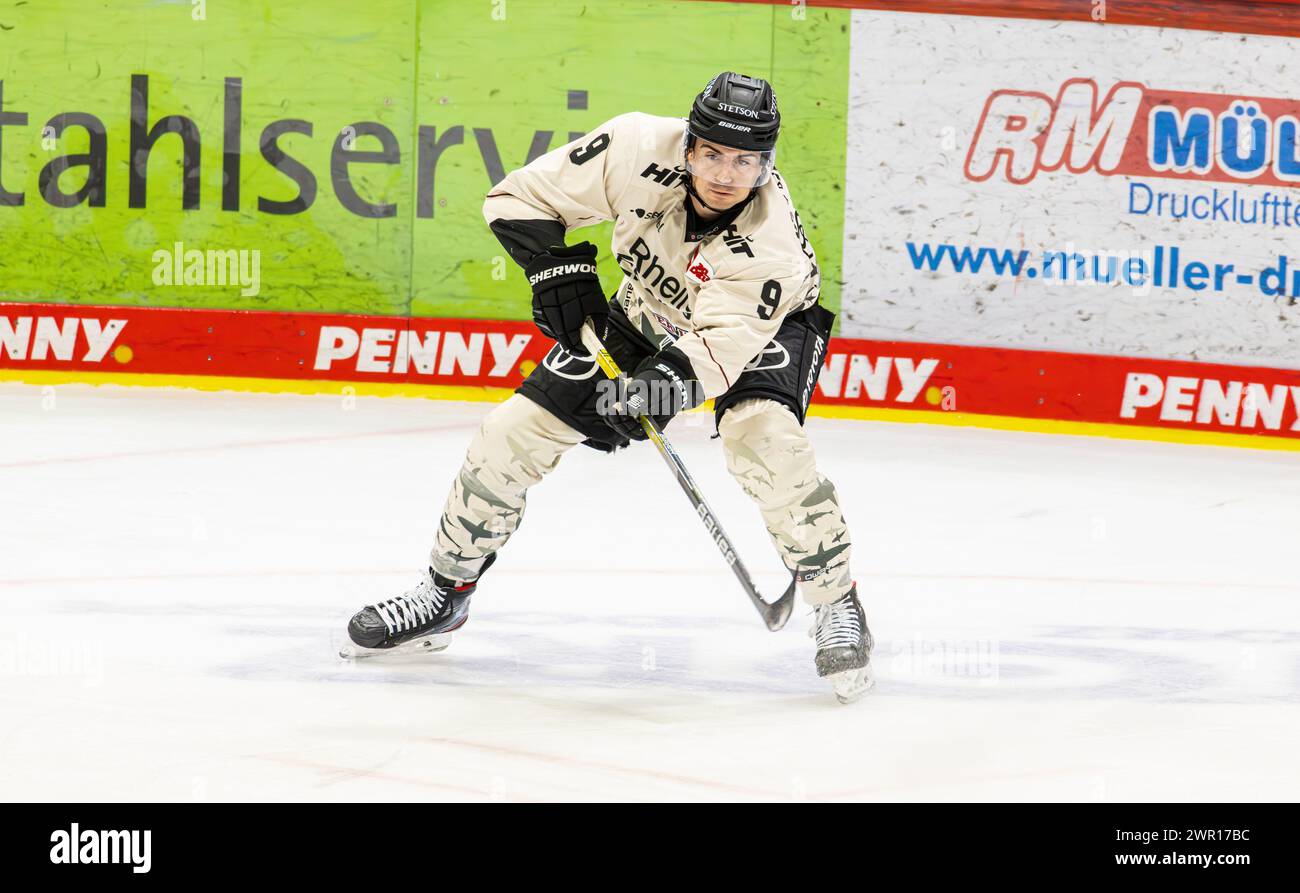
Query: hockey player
719	299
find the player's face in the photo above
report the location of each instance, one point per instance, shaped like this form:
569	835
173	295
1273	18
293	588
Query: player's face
723	175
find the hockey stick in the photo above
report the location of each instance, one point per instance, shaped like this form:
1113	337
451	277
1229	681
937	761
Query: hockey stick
774	614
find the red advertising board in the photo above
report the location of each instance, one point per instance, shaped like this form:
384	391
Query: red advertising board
484	359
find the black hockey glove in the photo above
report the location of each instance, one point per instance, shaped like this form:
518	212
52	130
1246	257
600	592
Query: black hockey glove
661	386
566	291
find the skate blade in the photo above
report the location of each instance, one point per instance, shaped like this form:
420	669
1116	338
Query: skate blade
852	684
427	645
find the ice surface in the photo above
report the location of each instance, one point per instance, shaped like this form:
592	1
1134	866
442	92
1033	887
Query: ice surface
1056	618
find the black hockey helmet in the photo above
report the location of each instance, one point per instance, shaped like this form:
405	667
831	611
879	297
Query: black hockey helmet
739	112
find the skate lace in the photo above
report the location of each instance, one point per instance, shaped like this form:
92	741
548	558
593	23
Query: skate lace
411	608
837	625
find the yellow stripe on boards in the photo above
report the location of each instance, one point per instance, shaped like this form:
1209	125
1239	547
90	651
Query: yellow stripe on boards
260	385
496	395
1055	426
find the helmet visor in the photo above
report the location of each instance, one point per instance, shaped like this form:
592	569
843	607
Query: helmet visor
726	166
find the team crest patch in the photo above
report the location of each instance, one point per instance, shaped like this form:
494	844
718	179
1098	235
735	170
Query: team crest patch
699	269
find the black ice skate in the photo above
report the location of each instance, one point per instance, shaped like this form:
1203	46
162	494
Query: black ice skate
844	646
420	620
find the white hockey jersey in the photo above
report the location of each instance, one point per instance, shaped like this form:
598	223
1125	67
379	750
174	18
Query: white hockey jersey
718	295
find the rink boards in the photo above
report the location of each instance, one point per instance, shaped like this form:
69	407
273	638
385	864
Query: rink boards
463	359
1076	217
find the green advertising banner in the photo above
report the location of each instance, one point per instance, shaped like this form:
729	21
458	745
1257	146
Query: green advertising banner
334	157
140	132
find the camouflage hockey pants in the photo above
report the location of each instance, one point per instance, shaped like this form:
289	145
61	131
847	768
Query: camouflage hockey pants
760	421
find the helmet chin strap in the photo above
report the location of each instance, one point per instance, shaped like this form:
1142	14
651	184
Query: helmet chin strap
690	187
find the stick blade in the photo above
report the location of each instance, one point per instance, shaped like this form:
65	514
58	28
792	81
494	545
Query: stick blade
775	614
